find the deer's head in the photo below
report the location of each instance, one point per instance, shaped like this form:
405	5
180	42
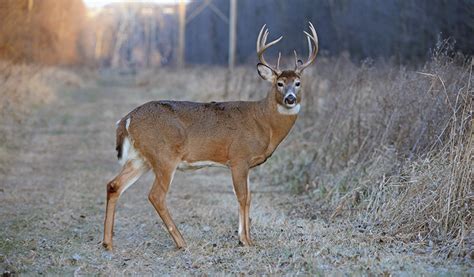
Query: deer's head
286	84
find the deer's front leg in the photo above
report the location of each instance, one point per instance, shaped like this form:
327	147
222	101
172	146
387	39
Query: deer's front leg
240	175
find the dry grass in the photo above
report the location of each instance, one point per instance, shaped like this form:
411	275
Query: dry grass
379	166
23	89
393	144
390	144
26	86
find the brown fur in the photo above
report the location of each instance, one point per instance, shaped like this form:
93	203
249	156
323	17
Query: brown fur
241	131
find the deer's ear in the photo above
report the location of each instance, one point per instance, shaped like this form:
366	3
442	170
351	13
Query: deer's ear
266	72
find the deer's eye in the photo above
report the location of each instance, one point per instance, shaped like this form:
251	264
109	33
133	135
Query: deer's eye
280	84
297	84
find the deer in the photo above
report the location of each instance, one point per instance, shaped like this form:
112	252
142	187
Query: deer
165	136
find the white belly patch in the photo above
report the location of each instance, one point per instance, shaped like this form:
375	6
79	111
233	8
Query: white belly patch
197	165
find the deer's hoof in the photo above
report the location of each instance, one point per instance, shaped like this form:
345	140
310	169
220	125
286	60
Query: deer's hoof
245	242
181	246
107	245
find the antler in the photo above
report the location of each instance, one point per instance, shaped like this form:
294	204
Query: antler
313	37
262	46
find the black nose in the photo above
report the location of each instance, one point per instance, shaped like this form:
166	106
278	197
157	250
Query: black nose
290	99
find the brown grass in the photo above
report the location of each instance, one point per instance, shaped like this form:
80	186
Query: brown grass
390	144
23	89
378	166
25	86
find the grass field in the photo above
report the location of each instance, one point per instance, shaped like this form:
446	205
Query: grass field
377	175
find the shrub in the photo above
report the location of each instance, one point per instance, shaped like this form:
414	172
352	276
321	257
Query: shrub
393	143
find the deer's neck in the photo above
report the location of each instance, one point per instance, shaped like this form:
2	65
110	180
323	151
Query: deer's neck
280	120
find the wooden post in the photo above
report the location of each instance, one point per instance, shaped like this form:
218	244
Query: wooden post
99	36
232	33
153	39
30	8
147	46
182	32
120	39
33	35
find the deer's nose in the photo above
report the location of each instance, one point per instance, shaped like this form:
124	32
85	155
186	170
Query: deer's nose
290	99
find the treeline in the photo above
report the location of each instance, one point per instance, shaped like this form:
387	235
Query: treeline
403	29
145	35
41	31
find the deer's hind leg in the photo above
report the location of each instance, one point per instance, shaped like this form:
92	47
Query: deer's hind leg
164	173
131	171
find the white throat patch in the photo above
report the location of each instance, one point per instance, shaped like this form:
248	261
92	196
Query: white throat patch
288	111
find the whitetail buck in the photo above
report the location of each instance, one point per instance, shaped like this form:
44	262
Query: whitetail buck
167	135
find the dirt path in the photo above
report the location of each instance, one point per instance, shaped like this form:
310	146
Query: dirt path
53	200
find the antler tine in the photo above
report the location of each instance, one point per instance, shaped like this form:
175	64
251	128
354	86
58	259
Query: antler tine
313	37
313	32
310	47
278	61
262	46
265	36
259	38
296	59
